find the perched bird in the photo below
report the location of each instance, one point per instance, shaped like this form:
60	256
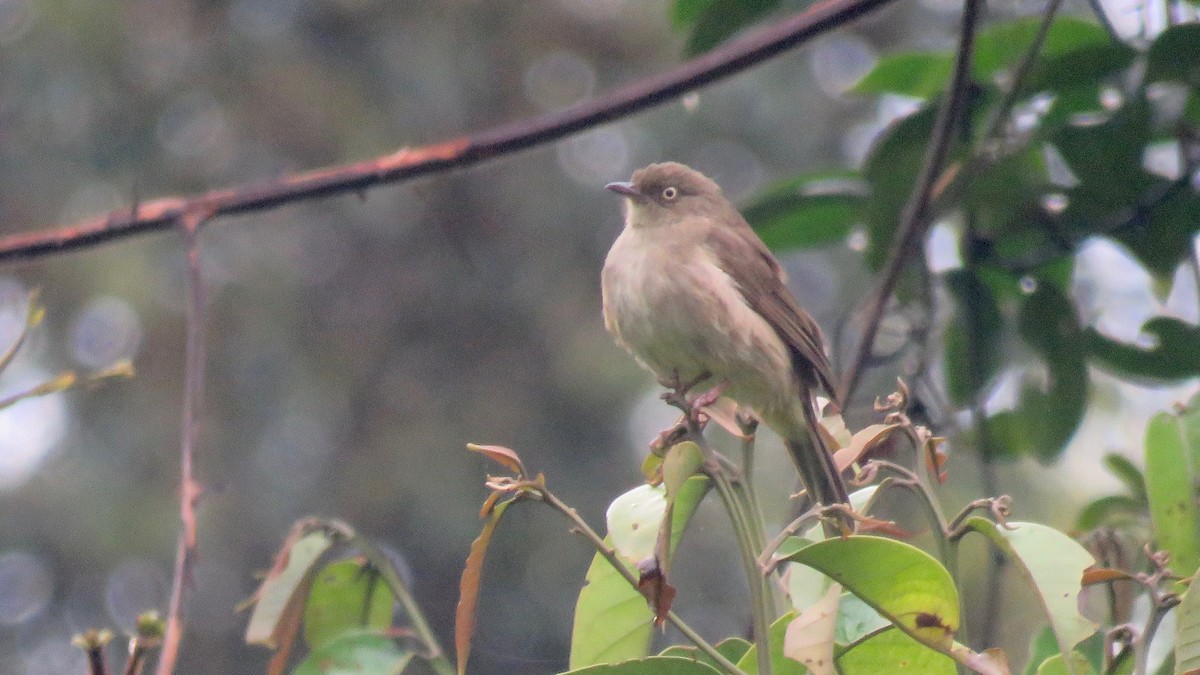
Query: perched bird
692	292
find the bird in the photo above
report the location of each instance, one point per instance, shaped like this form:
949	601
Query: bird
692	292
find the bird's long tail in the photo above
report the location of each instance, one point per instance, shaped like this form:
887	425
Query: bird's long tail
813	460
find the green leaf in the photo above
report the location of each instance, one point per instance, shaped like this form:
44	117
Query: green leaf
1053	564
1161	237
686	12
733	649
1129	475
903	583
1076	664
1106	158
1172	451
1187	632
718	20
361	653
807	211
1075	52
856	620
917	74
279	600
1043	646
1004	45
780	664
1045	419
654	665
969	370
894	651
1106	510
346	595
1175	55
612	622
680	464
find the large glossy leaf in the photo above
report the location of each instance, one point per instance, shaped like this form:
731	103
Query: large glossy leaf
1172	458
1053	564
346	595
361	653
973	338
901	582
1175	354
612	622
1187	633
780	664
654	665
894	651
1046	417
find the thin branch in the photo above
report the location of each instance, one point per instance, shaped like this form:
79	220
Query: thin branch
193	395
914	220
584	530
409	163
1021	72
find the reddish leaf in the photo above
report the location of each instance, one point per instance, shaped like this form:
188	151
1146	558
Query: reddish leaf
862	443
1101	575
468	588
652	584
500	455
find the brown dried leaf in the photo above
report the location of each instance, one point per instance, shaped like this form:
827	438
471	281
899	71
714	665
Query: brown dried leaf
500	455
1101	575
862	443
468	588
988	662
652	584
724	411
809	637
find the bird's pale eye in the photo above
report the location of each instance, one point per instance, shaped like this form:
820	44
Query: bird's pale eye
670	192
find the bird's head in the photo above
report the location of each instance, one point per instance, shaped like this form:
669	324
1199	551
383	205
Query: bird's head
665	193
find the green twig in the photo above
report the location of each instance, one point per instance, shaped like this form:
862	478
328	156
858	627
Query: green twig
583	529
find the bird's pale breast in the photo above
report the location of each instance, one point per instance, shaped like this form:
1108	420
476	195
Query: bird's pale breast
671	305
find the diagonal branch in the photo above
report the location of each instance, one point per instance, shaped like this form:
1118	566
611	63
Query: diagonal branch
914	220
409	163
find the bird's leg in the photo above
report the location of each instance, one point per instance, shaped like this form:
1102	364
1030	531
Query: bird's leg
710	397
677	397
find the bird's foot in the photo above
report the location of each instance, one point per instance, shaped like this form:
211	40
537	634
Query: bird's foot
710	397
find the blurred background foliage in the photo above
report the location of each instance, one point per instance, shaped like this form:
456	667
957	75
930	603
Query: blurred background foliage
357	343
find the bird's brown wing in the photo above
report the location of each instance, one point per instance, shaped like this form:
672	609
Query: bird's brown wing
744	257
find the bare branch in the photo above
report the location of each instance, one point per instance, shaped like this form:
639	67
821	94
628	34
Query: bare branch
409	163
193	394
914	220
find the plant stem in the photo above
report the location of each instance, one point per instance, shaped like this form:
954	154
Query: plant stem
434	654
585	530
760	592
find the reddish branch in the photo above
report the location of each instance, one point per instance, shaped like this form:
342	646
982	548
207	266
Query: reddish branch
193	397
410	163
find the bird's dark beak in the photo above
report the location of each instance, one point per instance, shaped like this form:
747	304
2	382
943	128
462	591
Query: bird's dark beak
624	189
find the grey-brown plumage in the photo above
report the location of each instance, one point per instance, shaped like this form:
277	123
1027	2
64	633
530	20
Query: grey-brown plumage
689	289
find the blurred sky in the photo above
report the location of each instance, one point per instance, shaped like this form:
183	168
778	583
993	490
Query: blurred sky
357	343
